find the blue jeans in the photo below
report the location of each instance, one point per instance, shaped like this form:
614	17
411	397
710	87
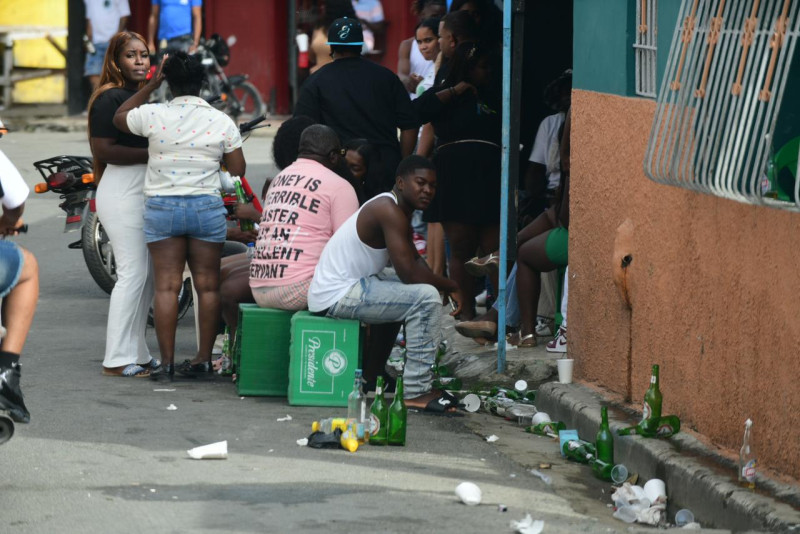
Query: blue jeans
512	301
198	217
11	261
383	298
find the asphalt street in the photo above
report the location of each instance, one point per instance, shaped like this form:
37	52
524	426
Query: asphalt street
105	455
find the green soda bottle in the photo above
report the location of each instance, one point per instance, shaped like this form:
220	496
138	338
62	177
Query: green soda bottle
398	414
604	442
651	408
548	428
580	451
379	417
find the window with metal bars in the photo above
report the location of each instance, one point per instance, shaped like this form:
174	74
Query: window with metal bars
725	123
645	47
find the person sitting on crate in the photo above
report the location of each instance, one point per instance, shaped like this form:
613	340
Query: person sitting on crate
305	204
19	289
352	280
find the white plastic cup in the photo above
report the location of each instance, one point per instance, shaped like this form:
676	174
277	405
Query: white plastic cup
565	370
626	514
213	451
619	474
539	418
471	402
469	493
520	386
656	490
684	517
302	42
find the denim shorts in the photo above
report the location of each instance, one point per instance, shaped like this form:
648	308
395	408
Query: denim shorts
94	62
11	261
198	217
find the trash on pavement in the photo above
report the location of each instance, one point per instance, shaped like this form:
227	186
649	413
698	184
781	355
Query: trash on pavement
212	451
684	517
634	505
492	438
545	478
527	525
691	526
653	425
502	508
302	442
471	402
469	493
164	389
172	407
287	418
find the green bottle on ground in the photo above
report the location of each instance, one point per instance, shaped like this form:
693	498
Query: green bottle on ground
580	451
398	413
379	417
604	441
651	408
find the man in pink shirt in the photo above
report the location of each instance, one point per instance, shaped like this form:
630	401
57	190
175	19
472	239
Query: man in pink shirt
306	203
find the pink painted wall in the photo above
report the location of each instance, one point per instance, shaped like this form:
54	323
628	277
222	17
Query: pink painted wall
714	289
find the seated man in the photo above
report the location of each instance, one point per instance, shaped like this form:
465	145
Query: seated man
19	289
305	204
352	281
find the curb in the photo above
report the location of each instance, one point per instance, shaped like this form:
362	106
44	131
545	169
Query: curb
691	483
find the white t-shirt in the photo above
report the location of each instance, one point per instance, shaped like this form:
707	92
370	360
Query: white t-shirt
15	190
104	16
187	140
421	67
344	261
546	148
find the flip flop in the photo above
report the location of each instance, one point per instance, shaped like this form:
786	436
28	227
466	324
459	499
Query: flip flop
474	329
441	404
482	266
133	370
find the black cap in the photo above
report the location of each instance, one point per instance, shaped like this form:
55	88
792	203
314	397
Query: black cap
345	32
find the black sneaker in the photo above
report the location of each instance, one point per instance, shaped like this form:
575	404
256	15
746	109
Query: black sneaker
195	370
11	394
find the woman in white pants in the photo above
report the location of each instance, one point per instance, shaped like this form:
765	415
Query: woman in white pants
120	159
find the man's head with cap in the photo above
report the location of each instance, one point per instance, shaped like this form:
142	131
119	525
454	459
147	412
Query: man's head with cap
346	35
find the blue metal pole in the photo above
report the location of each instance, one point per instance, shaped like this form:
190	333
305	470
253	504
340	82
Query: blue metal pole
506	161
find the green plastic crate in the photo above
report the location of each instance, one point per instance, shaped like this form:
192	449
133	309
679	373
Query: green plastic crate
325	355
261	351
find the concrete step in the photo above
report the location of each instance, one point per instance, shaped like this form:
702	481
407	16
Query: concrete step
695	476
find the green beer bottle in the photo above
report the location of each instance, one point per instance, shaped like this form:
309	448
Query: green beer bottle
580	451
379	417
548	428
245	224
651	408
604	442
397	416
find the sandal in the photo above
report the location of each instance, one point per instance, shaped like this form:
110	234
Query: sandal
482	266
475	329
526	342
132	370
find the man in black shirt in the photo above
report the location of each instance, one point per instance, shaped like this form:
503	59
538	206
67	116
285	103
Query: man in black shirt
360	99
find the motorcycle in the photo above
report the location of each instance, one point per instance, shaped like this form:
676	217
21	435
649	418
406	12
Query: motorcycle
72	178
232	95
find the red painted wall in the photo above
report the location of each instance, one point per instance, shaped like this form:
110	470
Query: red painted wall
261	31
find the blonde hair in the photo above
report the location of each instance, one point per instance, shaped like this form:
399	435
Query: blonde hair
111	77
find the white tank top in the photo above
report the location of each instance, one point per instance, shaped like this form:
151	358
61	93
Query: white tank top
345	260
421	66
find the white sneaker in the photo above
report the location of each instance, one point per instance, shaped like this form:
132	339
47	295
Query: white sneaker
480	300
559	343
544	327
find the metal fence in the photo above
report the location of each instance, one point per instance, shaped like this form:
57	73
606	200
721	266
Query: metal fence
720	99
645	48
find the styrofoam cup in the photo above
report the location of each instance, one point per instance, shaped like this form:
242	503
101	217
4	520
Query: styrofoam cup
539	418
565	370
469	493
213	451
656	490
521	386
684	517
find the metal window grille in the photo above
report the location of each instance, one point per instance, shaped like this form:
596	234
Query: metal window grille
645	48
721	97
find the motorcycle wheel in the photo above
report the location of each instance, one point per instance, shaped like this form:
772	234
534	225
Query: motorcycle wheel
184	302
250	104
98	254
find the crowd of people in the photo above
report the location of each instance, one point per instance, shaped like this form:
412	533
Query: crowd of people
339	230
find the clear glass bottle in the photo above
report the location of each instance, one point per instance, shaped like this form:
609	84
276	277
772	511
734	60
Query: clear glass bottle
747	460
357	410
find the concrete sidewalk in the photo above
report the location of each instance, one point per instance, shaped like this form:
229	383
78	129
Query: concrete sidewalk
697	477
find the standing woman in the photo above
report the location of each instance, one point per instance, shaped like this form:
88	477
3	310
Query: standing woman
465	113
120	160
184	217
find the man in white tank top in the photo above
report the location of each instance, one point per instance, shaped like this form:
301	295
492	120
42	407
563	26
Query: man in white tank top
352	279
